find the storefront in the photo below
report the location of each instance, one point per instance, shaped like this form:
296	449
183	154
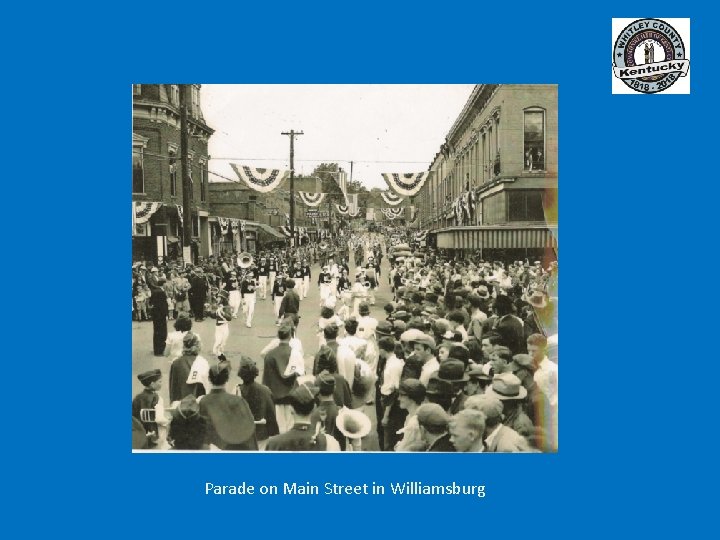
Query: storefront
507	243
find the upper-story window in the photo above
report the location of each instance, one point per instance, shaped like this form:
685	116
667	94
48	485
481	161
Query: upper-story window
203	181
195	99
534	137
138	174
175	95
173	165
136	89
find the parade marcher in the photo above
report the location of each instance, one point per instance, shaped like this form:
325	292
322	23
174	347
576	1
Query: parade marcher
182	286
247	287
174	342
467	429
433	422
298	275
275	364
306	275
344	284
325	284
188	374
188	429
263	274
259	399
158	301
149	399
273	268
223	316
231	424
300	437
290	305
277	295
232	285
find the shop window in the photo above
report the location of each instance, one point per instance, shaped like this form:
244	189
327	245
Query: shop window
534	137
525	206
175	95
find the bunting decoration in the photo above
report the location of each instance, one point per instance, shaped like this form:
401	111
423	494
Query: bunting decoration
407	184
242	226
262	180
180	213
234	225
342	209
392	213
391	198
224	223
285	230
144	210
311	199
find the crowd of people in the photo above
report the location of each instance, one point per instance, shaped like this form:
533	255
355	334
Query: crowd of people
464	359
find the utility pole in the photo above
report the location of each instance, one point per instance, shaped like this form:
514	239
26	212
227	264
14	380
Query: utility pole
292	134
186	183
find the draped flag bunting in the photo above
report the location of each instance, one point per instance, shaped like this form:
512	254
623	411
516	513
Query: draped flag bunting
352	202
311	199
144	210
300	232
234	225
180	213
285	230
407	184
224	223
391	198
392	213
343	209
242	226
262	180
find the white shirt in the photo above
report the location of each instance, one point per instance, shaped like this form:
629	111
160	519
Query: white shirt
391	375
491	438
430	367
367	326
546	377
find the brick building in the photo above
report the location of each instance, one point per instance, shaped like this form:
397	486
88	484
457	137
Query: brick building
493	184
156	173
264	214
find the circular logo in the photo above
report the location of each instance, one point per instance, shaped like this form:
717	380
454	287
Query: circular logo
645	55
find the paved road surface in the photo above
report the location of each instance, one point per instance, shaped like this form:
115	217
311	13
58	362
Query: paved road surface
250	341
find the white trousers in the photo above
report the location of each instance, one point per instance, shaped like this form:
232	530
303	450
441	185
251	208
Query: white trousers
249	307
263	286
285	418
222	331
306	286
325	290
277	302
234	301
272	281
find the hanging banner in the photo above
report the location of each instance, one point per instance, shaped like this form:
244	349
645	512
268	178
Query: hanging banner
262	180
224	224
311	199
342	209
180	213
234	225
144	210
391	198
407	184
392	213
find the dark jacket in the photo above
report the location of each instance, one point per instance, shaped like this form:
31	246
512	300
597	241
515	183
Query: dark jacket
259	398
231	424
290	303
275	363
442	444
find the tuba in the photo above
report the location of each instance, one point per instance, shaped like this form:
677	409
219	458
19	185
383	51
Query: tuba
323	246
245	260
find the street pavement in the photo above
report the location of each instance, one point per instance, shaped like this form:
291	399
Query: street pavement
245	341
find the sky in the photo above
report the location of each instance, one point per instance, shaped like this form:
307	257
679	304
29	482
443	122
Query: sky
382	128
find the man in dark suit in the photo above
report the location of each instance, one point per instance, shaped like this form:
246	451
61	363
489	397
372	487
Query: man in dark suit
275	363
433	421
290	305
231	425
158	301
198	294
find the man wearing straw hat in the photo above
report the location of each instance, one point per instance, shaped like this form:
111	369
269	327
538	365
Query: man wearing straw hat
353	425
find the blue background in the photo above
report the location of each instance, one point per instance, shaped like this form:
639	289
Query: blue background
638	212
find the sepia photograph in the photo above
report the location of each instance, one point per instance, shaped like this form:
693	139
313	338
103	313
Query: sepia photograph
345	268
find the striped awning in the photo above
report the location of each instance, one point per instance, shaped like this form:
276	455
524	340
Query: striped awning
489	237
